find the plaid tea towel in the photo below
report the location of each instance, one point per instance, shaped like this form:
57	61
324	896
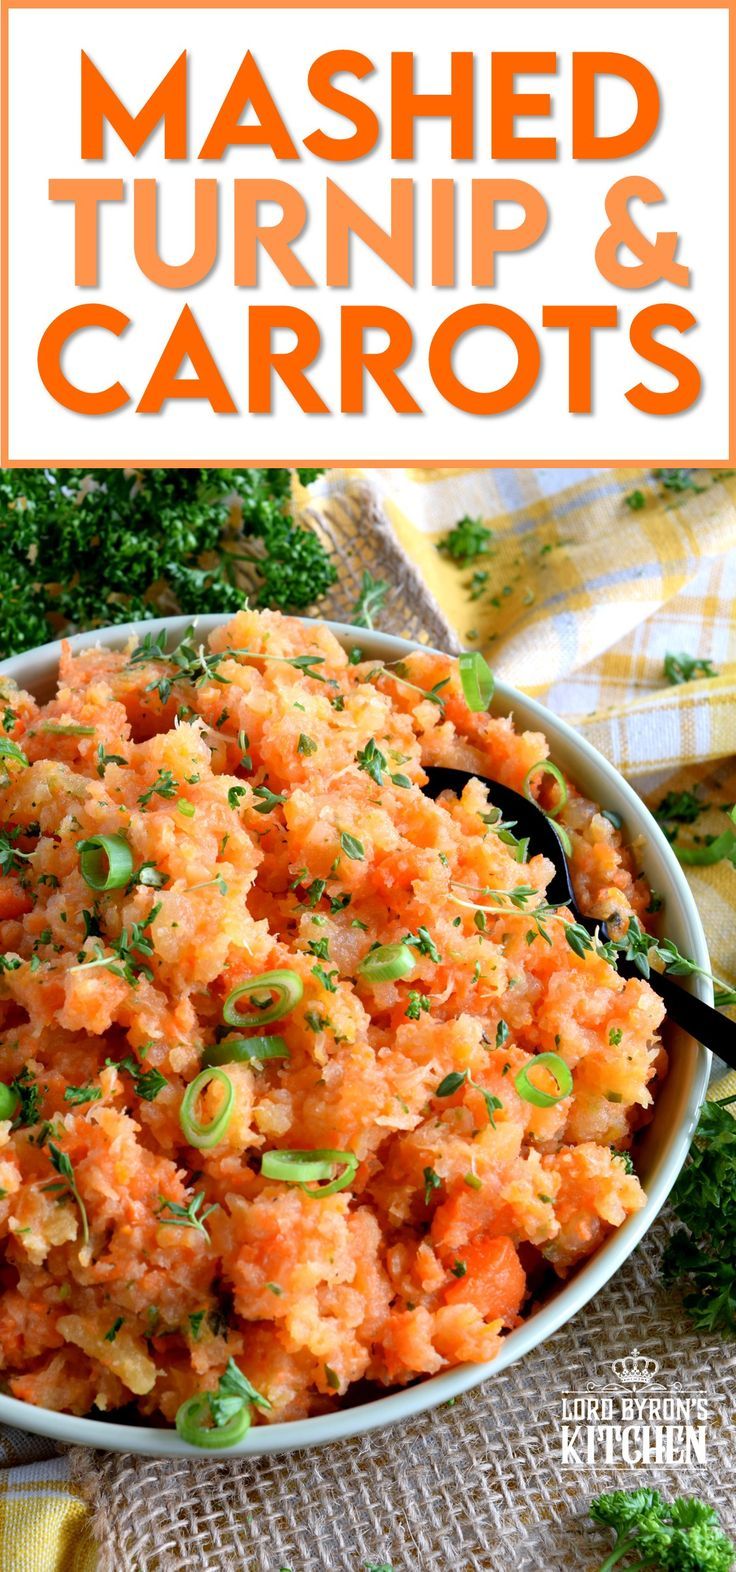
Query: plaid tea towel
587	582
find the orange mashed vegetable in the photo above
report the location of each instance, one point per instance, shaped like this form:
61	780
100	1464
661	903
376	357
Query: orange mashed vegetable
452	1219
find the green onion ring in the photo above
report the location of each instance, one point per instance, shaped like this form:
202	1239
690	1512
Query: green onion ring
547	768
477	680
189	1425
238	1050
106	861
564	837
286	985
9	1101
387	963
296	1167
59	729
204	1136
10	750
532	1093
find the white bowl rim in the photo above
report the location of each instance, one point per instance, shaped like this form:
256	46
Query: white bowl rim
431	1392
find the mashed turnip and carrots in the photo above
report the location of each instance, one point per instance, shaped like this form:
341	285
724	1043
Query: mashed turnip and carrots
172	828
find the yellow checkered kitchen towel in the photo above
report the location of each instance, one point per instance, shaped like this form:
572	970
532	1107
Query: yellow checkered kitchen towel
581	598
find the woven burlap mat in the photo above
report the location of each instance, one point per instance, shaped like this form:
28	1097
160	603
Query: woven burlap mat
478	1486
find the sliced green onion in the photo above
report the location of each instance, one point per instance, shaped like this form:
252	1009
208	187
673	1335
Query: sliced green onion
9	1101
10	750
387	963
547	768
106	861
298	1167
238	1050
189	1423
533	1094
204	1136
287	987
564	838
477	680
722	846
59	729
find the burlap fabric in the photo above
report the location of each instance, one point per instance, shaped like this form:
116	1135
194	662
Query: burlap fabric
479	1486
475	1487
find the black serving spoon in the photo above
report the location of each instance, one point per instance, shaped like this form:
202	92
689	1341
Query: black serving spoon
700	1020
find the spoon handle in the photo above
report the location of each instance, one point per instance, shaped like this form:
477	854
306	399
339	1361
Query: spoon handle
701	1021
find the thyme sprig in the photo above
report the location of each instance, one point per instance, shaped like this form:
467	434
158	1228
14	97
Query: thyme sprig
63	1165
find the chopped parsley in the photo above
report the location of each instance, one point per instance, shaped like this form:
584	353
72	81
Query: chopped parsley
432	1182
685	668
11	859
423	942
131	952
466	541
327	979
163	786
82	1094
26	1089
680	807
133	543
146	1083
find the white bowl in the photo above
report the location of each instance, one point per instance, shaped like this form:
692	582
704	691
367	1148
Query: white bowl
660	1153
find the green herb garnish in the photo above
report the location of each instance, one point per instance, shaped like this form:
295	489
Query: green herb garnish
684	668
700	1258
133	543
432	1182
82	1094
458	1078
163	786
684	1536
466	541
370	601
268	800
63	1166
146	1083
190	1216
352	847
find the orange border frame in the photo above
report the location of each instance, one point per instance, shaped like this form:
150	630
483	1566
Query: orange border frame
378	5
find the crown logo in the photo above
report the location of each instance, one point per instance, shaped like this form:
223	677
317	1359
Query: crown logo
636	1369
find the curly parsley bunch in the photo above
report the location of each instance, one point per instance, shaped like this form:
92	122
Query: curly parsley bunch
81	548
684	1536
